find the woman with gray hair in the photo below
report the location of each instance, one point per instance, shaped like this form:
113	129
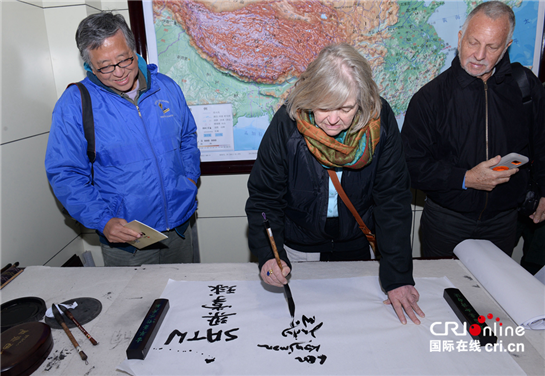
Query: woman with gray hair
334	119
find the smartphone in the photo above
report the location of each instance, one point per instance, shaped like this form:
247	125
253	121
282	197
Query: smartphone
511	160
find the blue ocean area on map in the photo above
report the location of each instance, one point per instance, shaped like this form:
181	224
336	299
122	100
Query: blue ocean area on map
524	37
447	20
450	17
248	136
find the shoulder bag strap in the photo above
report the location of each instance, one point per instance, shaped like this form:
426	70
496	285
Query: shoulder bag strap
88	124
370	237
522	80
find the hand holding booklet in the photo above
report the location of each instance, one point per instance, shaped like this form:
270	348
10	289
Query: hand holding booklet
149	234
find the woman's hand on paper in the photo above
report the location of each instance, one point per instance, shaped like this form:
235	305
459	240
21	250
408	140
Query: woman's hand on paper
405	298
277	277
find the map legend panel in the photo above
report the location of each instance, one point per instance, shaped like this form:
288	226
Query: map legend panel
214	129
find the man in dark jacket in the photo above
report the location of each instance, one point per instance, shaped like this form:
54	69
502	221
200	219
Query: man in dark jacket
460	124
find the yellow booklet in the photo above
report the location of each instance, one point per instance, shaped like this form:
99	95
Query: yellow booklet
149	234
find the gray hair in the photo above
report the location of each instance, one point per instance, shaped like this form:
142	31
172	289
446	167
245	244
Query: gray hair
338	71
493	10
96	28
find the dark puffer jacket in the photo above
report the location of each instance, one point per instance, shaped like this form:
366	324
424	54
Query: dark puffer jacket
291	187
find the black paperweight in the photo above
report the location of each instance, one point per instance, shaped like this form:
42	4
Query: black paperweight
469	317
141	343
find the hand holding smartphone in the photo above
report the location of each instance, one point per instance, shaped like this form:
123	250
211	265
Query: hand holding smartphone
511	160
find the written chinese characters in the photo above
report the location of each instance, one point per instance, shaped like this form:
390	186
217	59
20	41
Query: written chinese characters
218	313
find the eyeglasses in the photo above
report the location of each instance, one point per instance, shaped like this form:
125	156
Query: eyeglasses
122	64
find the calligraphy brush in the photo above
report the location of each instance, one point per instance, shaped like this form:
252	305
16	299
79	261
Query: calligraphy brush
291	303
61	322
69	314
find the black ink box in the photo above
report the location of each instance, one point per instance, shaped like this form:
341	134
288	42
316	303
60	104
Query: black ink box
141	343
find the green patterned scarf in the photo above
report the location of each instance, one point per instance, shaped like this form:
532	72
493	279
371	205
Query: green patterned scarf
350	150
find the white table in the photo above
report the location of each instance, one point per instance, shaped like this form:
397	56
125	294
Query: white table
127	293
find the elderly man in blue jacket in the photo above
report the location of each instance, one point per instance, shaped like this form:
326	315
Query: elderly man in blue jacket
147	160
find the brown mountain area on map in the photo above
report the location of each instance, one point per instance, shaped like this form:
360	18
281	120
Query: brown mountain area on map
271	41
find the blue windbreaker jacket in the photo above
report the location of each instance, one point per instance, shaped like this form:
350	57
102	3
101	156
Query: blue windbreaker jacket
145	155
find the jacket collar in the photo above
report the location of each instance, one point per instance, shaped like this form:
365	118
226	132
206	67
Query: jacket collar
501	69
144	71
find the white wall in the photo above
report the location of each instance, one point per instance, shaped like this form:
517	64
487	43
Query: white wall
222	224
32	227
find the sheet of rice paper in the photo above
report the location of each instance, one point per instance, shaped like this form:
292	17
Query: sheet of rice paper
341	327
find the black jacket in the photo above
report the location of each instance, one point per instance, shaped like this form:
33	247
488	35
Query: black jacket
291	187
444	135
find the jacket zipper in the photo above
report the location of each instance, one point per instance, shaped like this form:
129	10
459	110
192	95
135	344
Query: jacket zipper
486	140
157	165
